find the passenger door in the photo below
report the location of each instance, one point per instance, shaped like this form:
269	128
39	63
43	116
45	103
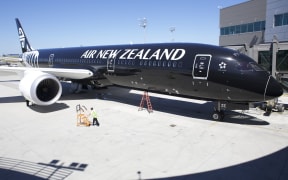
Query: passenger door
50	61
111	65
201	66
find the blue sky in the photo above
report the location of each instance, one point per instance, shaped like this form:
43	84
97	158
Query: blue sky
68	23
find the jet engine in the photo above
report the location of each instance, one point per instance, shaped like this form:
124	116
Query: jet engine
40	88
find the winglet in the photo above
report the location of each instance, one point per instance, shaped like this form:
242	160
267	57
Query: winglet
22	37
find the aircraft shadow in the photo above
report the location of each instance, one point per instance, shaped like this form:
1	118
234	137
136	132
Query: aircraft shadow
41	109
12	99
15	175
183	108
48	109
273	166
14	169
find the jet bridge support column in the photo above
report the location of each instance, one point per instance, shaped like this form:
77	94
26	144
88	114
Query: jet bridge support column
274	49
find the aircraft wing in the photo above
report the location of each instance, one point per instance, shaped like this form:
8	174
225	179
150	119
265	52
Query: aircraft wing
58	72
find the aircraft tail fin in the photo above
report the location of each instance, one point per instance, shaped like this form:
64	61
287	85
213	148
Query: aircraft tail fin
25	45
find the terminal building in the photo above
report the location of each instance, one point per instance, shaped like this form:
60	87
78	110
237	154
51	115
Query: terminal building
258	28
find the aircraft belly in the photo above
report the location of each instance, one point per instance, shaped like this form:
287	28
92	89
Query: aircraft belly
245	88
174	83
217	91
238	86
229	93
150	79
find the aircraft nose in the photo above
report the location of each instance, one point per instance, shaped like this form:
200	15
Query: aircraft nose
273	89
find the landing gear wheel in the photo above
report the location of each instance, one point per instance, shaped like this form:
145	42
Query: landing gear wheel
218	115
269	108
280	108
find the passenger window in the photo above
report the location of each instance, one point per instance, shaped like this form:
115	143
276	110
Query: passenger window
256	67
174	64
154	63
180	64
169	63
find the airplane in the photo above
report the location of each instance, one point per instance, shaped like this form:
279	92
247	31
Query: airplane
11	61
199	71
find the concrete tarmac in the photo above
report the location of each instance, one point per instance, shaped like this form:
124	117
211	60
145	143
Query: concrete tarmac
178	141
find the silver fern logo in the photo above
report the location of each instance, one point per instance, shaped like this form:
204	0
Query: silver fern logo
21	37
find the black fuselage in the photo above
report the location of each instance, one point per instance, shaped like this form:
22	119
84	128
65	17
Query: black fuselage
181	69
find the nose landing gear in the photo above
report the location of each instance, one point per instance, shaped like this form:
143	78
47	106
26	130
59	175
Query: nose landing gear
271	105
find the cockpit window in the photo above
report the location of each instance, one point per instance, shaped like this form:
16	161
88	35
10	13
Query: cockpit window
249	66
256	67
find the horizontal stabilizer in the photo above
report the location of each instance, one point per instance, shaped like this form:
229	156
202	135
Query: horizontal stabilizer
11	59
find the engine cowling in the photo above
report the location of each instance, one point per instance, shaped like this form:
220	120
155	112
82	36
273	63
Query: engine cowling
40	88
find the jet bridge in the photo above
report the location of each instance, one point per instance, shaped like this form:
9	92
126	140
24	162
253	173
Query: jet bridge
272	56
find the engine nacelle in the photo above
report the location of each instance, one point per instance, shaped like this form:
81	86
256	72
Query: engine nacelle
40	88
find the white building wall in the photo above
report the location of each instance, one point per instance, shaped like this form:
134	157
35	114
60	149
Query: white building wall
275	7
243	13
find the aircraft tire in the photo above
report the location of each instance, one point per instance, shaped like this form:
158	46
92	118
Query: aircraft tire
269	108
280	108
218	115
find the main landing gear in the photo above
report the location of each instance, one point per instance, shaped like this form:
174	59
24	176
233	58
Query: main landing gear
218	115
28	103
221	106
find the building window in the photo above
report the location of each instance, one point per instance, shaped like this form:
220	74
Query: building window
232	30
281	19
244	28
226	30
222	31
250	27
257	26
263	24
285	19
278	20
237	29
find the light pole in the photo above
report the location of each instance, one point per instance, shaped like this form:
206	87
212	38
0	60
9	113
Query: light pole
172	29
143	24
